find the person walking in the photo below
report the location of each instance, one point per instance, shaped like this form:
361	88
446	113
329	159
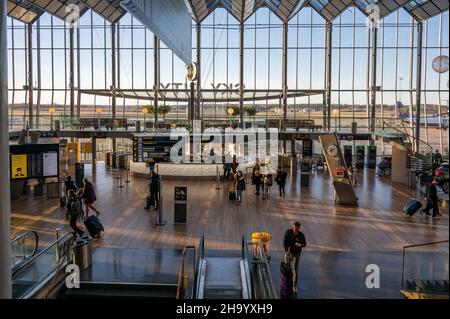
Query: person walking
256	178
155	188
268	182
74	211
226	170
281	181
436	157
294	241
89	196
239	185
432	199
234	164
68	185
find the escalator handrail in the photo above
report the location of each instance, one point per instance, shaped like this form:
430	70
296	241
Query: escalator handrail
273	292
245	258
198	263
31	260
36	236
181	272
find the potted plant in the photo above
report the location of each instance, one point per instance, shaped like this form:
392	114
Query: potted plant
163	110
251	111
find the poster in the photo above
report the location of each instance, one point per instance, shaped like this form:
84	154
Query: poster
50	164
19	166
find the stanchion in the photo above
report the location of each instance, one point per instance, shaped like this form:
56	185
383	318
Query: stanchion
218	178
117	173
120	184
161	221
128	174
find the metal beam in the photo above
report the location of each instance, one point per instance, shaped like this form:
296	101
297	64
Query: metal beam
30	75
5	204
328	70
418	83
156	45
373	91
241	73
113	71
199	92
284	68
71	73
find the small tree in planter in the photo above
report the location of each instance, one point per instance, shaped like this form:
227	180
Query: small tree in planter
251	111
163	110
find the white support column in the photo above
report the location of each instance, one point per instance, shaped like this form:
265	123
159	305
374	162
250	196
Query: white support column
5	205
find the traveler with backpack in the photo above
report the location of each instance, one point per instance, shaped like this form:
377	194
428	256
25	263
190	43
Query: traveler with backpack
74	210
294	241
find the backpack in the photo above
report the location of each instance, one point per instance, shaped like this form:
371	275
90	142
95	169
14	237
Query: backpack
269	181
75	207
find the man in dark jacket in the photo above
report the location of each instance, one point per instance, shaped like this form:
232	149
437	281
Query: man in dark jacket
154	188
74	210
294	241
69	184
281	180
432	199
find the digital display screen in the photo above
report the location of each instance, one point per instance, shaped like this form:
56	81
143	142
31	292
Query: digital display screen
34	161
50	164
152	149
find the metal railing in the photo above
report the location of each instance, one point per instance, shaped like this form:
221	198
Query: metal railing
262	284
186	276
39	270
425	268
23	247
248	271
198	267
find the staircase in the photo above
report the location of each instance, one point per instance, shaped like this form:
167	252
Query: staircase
421	159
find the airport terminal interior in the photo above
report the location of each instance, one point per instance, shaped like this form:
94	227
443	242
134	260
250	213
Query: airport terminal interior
224	149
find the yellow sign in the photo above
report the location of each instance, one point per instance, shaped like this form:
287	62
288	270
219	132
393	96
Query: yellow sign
19	166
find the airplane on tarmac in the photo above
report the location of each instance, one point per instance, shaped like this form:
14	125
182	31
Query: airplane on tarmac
430	120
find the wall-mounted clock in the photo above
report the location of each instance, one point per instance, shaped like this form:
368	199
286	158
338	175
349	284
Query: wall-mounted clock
332	150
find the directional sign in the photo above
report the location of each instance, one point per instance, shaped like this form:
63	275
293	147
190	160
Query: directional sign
152	149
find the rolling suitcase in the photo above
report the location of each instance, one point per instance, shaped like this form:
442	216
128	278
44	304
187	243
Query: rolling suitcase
232	195
286	284
93	226
412	207
63	201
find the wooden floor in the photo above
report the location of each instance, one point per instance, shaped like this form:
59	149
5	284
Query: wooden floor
376	225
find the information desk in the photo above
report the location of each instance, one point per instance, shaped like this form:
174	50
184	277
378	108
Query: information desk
184	171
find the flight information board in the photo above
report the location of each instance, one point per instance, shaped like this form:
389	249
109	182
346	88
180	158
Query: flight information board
34	161
153	148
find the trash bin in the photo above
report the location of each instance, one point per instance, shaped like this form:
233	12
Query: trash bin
83	252
262	238
53	190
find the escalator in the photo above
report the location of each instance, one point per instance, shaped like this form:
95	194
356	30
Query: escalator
23	248
36	273
226	275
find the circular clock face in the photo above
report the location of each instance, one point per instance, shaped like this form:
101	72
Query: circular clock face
440	64
332	150
191	71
